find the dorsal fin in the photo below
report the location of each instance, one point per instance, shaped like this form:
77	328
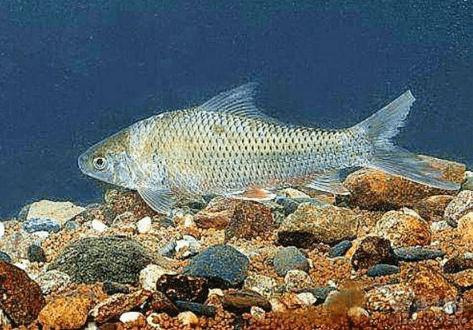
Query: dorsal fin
238	101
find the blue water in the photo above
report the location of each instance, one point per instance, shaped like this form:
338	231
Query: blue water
73	72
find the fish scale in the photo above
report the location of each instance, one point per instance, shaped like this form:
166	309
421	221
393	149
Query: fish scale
227	146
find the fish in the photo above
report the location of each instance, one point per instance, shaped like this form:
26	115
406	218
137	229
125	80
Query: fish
228	147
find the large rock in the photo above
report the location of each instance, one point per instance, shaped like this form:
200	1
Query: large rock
328	224
376	190
65	313
403	228
111	258
21	297
50	216
222	264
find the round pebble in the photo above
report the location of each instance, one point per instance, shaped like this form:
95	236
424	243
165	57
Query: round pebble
130	317
98	226
36	253
289	258
144	225
340	249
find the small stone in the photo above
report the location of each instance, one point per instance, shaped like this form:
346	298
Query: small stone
300	239
257	312
403	228
457	264
463	279
118	304
264	285
23	264
241	301
467	181
321	292
52	280
329	224
438	226
217	214
131	317
465	227
41	224
293	193
371	251
432	208
450	307
459	206
296	280
289	206
250	220
199	309
71	225
36	253
99	259
307	299
431	288
150	275
339	249
182	287
4	256
65	313
187	241
42	235
382	270
377	190
168	249
111	288
144	225
417	253
222	264
391	298
21	297
188	319
98	226
160	303
289	258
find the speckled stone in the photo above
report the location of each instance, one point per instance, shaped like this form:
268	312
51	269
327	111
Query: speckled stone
297	280
432	208
465	227
382	270
52	280
111	258
457	264
118	304
183	287
150	274
111	288
339	249
321	292
431	288
250	220
242	301
65	313
36	253
417	253
371	251
197	308
459	206
289	258
222	264
21	297
376	190
41	224
403	228
264	285
390	298
160	303
57	212
463	279
217	214
329	224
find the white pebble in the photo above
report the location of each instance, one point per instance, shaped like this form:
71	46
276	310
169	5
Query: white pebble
98	226
130	317
91	326
2	229
23	264
144	225
189	221
306	298
188	318
150	274
450	307
42	235
439	226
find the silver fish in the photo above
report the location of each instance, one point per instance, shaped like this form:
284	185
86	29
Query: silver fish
226	146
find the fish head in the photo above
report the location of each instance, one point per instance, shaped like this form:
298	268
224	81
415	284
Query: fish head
109	161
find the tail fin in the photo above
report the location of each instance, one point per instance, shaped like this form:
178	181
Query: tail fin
385	124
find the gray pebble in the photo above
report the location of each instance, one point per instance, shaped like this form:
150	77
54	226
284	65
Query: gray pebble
382	269
289	258
417	253
339	249
41	224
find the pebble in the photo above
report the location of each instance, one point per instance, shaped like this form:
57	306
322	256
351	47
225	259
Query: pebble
111	288
65	313
329	224
242	301
403	228
300	239
114	306
41	235
289	205
250	220
289	258
217	214
382	269
2	229
457	264
397	298
131	317
98	226
4	256
99	259
144	225
307	298
160	303
183	287
187	241
339	249
463	279
57	212
41	224
321	292
417	253
264	285
21	297
439	226
188	319
432	208
168	249
72	225
450	307
459	206
371	251
293	193
468	181
52	280
199	309
222	264
150	275
297	280
36	253
465	227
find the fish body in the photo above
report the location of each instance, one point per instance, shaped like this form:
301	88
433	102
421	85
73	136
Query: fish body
227	146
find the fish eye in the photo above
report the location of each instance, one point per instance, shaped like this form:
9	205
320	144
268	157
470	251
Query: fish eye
99	163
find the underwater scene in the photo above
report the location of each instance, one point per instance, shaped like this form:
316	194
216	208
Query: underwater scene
236	165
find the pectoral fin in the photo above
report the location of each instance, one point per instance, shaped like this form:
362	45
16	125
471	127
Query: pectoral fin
329	182
158	198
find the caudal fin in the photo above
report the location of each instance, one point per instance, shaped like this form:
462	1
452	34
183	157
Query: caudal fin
385	124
